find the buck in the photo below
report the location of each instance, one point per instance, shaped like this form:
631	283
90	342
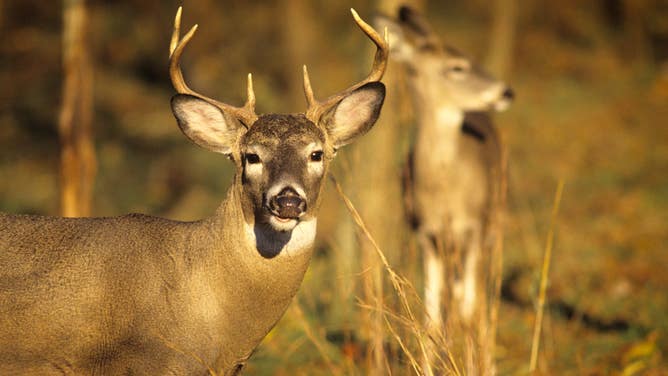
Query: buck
453	176
137	294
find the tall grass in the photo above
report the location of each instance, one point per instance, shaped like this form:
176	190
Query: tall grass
547	258
420	336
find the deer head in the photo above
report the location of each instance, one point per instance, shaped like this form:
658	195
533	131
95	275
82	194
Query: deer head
281	159
442	72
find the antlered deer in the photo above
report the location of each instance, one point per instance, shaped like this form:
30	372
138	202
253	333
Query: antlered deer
453	179
137	294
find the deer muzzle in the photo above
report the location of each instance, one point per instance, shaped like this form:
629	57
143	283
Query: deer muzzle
505	99
287	204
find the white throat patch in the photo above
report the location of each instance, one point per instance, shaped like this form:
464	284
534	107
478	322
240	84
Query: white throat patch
448	117
271	243
445	133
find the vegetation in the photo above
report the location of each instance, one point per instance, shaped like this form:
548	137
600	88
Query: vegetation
592	87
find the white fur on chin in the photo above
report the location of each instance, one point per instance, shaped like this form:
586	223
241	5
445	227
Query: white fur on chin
282	224
297	237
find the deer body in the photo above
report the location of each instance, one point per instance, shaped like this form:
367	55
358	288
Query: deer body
452	204
144	295
452	184
155	302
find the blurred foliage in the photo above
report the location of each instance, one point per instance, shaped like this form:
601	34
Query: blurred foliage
592	84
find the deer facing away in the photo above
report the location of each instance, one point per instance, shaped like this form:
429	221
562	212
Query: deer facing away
137	294
453	176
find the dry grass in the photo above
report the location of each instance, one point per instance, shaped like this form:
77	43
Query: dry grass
405	291
547	258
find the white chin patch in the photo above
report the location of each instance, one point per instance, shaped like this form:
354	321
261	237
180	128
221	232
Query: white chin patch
501	105
282	224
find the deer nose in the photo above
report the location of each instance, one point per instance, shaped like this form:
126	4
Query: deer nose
288	204
509	94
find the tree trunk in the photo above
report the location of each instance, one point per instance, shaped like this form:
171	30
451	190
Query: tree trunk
78	164
299	37
502	40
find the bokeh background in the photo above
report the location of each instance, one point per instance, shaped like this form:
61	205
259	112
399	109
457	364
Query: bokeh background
591	79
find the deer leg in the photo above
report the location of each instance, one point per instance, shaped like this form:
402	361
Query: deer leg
466	288
433	291
433	286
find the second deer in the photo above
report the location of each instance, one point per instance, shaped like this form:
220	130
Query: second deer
453	178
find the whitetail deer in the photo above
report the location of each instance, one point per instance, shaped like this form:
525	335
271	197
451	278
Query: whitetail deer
143	295
453	176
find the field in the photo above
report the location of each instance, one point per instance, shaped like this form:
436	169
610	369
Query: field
591	111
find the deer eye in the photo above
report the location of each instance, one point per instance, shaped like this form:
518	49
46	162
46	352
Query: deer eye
459	68
252	158
316	156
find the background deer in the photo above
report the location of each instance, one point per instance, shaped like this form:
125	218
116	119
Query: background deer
146	295
453	178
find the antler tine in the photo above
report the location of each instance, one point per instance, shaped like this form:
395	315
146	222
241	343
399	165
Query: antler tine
308	91
316	108
175	33
250	95
382	51
245	114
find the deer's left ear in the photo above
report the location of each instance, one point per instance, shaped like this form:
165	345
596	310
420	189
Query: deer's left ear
355	114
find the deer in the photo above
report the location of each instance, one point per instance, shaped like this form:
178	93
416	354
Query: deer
137	294
454	172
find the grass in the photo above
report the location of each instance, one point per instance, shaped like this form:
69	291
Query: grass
547	259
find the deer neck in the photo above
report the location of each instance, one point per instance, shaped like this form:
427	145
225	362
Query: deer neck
439	131
260	272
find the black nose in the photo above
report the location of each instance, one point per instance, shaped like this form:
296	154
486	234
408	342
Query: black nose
288	204
509	94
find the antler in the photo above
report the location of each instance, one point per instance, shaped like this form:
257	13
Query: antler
317	108
245	114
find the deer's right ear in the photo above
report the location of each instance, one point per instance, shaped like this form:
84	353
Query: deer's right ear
206	124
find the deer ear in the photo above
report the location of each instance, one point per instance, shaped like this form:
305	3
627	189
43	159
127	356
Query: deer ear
355	114
205	124
400	49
